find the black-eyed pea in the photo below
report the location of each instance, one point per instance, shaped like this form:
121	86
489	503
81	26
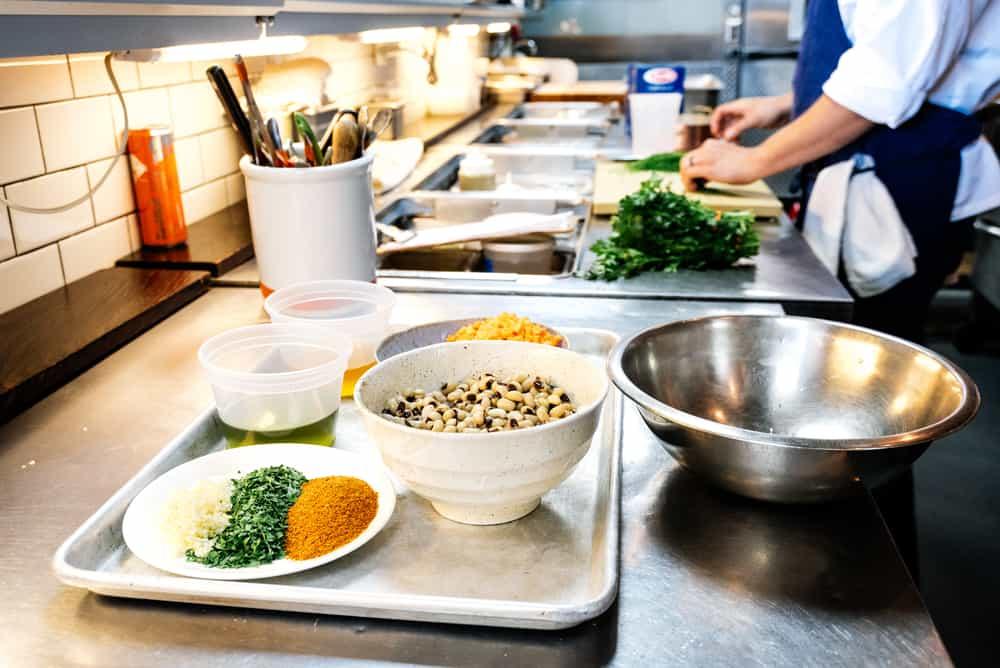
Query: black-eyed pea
529	399
451	422
506	404
496	413
515	415
559	411
448	414
514	396
554	399
450	429
438	425
542	414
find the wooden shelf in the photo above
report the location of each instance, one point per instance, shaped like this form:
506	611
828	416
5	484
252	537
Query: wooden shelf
50	340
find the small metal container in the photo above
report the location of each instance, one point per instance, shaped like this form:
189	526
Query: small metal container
396	129
696	128
702	91
986	270
528	254
788	409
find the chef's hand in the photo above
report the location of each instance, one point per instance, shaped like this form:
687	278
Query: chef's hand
723	161
731	119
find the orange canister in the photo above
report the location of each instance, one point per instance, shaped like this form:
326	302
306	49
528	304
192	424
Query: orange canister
157	189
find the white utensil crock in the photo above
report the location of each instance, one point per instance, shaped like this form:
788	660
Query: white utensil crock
311	223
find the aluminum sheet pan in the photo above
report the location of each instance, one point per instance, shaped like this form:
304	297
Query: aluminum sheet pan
553	569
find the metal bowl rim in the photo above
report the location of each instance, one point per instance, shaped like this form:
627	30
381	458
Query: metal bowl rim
949	424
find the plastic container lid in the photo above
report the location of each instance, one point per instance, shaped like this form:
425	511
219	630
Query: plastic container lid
477	163
528	243
357	309
274	358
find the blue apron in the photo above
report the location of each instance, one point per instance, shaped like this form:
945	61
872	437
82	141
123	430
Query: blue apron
919	162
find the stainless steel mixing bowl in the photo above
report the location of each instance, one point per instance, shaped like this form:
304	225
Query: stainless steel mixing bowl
790	409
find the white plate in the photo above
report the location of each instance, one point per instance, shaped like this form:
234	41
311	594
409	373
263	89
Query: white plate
141	529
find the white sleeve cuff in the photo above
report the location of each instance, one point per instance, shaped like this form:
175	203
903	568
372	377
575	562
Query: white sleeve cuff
870	86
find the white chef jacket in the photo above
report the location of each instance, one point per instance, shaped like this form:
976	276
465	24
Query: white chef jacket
907	52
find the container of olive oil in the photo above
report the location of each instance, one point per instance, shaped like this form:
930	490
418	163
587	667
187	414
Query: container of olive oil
277	383
354	308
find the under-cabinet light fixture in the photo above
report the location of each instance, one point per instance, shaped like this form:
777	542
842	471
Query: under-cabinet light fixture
264	46
463	29
497	28
387	35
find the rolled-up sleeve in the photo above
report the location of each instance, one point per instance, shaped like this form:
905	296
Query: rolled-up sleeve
900	49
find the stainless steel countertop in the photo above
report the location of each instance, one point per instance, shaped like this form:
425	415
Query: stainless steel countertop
706	578
785	272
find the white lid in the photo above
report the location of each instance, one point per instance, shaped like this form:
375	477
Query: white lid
527	243
357	309
354	306
476	163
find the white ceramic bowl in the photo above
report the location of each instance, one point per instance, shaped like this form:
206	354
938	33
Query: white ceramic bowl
483	478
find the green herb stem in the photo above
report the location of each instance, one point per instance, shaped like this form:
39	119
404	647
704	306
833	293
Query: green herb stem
658	230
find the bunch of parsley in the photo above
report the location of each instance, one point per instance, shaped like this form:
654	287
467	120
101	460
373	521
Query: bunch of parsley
658	230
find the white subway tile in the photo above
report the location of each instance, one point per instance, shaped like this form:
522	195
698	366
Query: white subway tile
90	77
349	77
195	108
21	155
188	154
113	199
134	236
236	189
333	48
33	80
163	74
6	235
99	248
32	230
75	132
203	201
145	108
220	153
29	276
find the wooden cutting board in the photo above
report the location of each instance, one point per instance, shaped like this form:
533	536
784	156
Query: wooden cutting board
615	180
581	91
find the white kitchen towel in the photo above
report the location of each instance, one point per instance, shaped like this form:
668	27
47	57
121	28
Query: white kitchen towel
851	216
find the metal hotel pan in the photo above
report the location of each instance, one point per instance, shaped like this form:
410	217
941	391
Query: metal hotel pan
553	569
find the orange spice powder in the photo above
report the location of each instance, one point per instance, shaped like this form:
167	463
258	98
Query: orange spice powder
330	512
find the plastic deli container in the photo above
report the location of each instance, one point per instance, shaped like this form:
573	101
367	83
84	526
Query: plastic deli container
476	172
528	254
355	309
277	383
